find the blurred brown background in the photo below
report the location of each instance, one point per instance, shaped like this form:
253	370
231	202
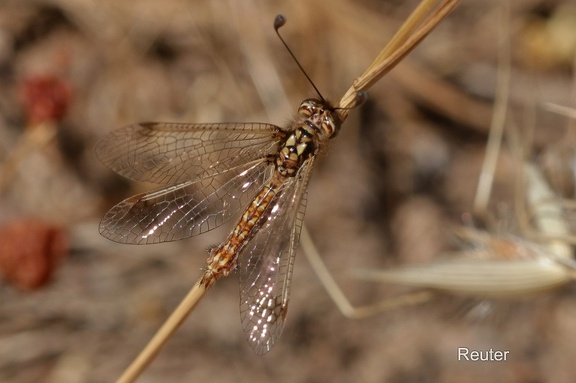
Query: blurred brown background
78	308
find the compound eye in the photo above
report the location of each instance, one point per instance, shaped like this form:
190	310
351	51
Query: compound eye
307	108
328	127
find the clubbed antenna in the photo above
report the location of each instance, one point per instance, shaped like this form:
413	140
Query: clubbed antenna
279	21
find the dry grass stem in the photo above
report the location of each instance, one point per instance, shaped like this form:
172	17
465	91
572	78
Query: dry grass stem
496	133
165	332
561	110
412	32
338	296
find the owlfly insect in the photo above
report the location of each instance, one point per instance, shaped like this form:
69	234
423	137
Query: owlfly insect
213	172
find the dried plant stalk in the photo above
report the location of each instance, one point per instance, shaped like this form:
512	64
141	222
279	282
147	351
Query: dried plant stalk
165	332
412	32
561	110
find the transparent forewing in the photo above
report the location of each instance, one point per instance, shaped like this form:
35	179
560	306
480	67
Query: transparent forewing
173	153
186	209
266	265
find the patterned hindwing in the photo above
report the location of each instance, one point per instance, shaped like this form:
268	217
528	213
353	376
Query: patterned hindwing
184	210
267	261
175	153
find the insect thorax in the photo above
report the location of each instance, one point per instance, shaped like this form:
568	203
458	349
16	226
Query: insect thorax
319	123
